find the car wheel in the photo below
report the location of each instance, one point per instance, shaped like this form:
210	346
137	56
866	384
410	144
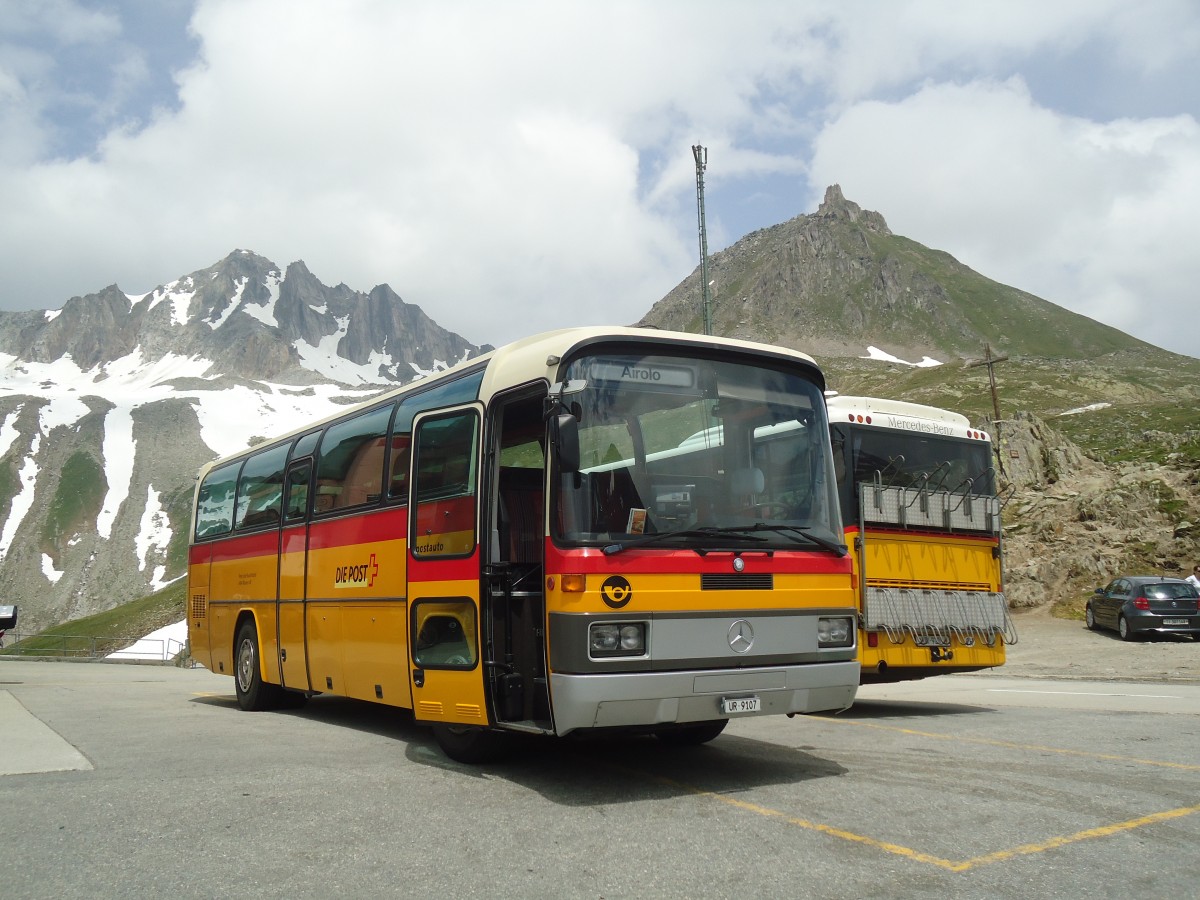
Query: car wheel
253	694
1127	633
691	735
1089	616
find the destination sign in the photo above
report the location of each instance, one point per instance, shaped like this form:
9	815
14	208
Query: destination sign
648	374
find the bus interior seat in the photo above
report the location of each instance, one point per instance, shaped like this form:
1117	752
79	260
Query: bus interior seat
615	495
363	475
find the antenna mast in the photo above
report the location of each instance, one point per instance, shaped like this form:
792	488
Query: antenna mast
701	156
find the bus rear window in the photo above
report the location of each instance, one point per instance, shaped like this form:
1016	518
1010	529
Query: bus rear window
214	503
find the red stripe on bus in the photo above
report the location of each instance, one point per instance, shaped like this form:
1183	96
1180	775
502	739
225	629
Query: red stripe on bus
592	560
245	546
464	568
366	528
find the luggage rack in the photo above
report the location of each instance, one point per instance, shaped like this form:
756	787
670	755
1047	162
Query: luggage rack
932	617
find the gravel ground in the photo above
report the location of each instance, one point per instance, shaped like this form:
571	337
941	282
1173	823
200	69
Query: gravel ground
1061	648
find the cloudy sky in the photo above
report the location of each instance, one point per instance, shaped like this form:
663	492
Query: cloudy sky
516	166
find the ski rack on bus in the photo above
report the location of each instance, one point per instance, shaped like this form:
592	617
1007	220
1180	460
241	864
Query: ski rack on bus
934	615
920	507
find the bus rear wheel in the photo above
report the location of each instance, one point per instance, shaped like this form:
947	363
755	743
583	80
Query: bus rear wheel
253	694
468	744
691	735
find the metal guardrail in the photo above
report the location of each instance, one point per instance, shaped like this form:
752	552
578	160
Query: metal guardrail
78	646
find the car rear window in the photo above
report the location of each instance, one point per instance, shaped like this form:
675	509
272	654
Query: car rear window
1169	591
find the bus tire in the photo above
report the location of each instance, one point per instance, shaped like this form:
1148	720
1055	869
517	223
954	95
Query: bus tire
691	735
468	744
253	694
292	699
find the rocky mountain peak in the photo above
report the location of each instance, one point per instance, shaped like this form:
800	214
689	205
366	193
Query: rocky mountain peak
835	206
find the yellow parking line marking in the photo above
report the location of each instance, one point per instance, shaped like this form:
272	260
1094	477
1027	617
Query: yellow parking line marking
1102	831
1084	694
951	865
831	830
1010	745
929	858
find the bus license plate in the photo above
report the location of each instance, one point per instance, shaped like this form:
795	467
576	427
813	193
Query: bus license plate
1175	621
929	640
734	705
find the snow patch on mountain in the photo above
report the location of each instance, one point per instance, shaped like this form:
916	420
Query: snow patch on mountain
8	431
119	450
265	312
883	356
23	501
179	294
239	288
324	360
52	574
154	535
274	409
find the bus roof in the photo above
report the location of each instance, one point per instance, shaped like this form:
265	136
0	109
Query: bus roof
538	356
880	413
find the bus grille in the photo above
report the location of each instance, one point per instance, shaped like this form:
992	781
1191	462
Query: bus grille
726	581
199	605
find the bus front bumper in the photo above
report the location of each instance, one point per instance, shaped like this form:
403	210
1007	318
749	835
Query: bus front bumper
653	698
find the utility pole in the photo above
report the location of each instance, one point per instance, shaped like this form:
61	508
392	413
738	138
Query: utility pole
701	156
990	361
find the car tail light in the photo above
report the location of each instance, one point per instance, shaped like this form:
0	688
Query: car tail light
1141	603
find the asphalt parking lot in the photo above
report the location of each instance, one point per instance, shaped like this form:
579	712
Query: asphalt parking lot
151	782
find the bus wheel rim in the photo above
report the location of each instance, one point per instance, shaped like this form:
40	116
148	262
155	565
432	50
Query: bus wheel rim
245	667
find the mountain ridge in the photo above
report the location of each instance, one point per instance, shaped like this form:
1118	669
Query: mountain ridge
833	281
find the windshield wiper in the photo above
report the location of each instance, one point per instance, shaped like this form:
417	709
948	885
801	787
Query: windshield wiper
705	532
801	534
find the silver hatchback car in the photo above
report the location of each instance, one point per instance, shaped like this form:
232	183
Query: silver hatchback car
1139	605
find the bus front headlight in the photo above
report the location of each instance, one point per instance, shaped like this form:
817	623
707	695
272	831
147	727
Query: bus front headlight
834	632
606	639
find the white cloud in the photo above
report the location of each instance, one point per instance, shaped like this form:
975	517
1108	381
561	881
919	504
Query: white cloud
1098	217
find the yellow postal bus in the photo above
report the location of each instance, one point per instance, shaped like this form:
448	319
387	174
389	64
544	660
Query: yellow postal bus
918	493
546	539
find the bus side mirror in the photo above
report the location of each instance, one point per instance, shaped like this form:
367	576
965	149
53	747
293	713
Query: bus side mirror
566	441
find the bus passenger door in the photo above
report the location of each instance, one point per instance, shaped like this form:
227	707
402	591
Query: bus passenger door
293	556
447	671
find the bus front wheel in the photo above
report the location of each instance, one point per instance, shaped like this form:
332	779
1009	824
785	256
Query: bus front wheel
467	744
253	694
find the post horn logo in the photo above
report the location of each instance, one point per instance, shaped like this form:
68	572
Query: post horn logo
616	591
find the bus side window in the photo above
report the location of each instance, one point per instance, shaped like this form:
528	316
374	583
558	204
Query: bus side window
451	392
298	477
350	467
398	484
443	514
260	489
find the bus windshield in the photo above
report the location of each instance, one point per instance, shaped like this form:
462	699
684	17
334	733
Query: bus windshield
700	451
905	459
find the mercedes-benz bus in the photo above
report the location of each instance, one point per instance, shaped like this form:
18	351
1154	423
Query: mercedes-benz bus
922	518
547	539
